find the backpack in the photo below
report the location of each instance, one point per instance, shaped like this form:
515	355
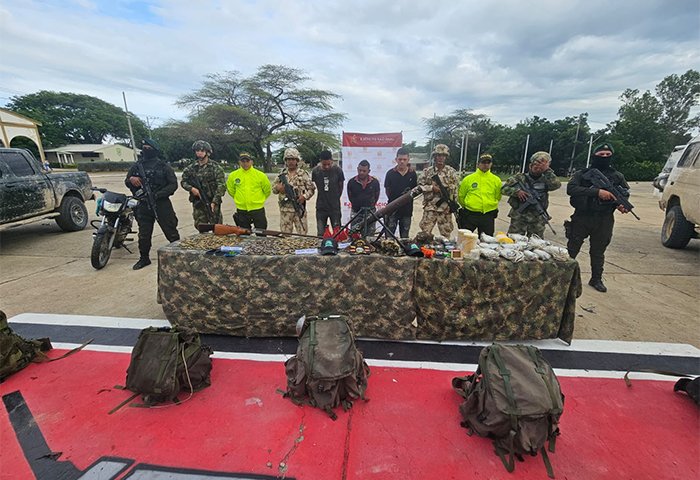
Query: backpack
513	398
327	370
16	352
165	361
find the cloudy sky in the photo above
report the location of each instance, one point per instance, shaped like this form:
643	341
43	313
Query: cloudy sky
393	62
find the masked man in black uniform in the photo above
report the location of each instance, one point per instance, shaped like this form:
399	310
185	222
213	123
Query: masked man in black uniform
593	212
161	180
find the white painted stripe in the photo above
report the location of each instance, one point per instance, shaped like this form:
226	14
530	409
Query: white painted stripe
87	321
603	346
445	367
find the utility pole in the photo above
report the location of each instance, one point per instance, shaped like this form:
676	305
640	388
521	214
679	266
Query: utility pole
527	145
551	142
590	147
573	151
131	131
478	154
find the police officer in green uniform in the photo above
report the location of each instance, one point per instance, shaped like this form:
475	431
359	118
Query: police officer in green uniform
593	212
160	178
208	176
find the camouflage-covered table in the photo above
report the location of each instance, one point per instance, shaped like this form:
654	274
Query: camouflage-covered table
387	297
496	300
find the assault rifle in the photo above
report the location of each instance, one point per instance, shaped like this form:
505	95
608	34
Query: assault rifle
599	180
150	198
221	229
299	208
535	201
445	195
203	199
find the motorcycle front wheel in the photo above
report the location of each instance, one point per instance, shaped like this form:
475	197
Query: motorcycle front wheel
101	249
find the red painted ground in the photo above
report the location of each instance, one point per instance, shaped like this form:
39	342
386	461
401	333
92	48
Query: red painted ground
409	428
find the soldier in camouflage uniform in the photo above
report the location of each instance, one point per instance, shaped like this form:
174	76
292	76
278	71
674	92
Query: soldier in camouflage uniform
208	176
434	209
304	188
541	178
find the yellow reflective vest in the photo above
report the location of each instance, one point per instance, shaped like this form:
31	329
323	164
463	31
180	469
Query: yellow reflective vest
249	188
480	192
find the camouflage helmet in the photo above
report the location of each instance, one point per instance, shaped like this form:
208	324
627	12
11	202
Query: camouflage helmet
441	149
537	156
292	153
202	145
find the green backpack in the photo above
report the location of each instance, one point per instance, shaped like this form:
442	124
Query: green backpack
328	370
16	352
513	398
165	361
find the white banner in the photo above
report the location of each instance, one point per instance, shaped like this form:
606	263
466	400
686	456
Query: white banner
379	149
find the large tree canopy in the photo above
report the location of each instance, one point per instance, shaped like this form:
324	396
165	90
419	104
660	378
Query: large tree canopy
68	118
262	108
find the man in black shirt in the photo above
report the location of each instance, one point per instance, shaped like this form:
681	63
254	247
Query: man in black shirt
329	180
363	193
398	181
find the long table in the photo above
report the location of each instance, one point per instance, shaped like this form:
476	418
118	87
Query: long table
398	298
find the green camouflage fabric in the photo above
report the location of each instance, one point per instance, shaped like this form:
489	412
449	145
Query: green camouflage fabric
443	220
302	184
527	222
496	300
264	295
213	180
448	177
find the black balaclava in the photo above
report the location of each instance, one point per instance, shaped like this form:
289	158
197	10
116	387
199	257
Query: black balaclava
601	163
149	153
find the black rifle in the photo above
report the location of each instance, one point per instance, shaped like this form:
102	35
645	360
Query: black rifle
150	198
203	199
299	208
445	195
533	200
599	180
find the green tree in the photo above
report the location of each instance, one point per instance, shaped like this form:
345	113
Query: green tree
641	141
449	129
262	107
677	95
71	118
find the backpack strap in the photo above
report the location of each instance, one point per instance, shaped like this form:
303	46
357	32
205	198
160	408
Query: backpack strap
510	463
505	374
539	369
547	463
652	370
70	352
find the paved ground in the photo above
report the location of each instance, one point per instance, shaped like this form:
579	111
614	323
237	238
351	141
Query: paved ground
653	291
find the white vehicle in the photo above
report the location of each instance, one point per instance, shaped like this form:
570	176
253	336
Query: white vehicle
660	181
681	199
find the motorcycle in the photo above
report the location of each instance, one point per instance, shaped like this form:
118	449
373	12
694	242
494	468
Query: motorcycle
117	211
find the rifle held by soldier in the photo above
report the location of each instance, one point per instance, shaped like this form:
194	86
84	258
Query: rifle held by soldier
599	180
204	199
533	200
150	198
291	195
222	229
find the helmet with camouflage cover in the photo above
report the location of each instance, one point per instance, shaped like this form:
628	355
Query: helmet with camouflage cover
441	149
202	145
292	153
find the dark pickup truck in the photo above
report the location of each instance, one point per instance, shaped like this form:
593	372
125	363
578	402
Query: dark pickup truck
28	193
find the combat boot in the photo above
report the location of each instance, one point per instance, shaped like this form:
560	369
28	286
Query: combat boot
597	283
143	262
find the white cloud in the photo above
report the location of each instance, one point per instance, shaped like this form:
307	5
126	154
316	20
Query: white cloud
394	63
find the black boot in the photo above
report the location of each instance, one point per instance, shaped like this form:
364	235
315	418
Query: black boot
143	261
597	283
